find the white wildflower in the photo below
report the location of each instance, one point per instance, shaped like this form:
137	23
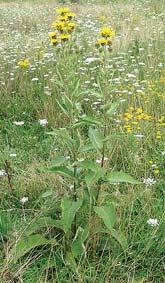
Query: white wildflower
153	222
149	181
2	173
43	122
19	123
35	79
24	200
13	154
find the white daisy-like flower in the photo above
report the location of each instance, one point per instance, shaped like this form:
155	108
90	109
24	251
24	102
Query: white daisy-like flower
153	222
149	181
13	154
24	200
43	122
18	123
2	173
35	79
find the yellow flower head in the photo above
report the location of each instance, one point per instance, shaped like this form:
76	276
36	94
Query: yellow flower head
53	34
64	37
24	63
127	116
63	18
59	26
71	15
70	26
62	10
107	32
54	41
101	42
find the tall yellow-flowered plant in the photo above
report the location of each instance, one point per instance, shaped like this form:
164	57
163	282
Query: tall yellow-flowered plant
106	40
63	25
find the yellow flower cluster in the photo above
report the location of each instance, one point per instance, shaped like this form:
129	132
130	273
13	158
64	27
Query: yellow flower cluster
63	25
160	125
133	118
24	63
107	33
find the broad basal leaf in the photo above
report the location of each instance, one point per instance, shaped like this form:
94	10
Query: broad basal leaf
41	223
120	238
120	177
26	244
77	246
69	209
107	213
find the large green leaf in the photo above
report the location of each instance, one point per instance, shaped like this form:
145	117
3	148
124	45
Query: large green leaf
120	177
41	223
47	194
69	209
107	213
88	164
87	120
70	260
120	238
62	170
64	136
26	244
96	138
92	177
86	147
59	160
77	246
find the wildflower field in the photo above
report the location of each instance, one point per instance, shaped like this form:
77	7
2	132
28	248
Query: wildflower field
82	144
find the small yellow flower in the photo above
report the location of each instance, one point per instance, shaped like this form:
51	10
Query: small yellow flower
107	32
62	10
156	171
24	63
101	41
62	18
64	37
70	26
71	15
60	26
54	41
127	116
139	110
158	135
128	128
53	34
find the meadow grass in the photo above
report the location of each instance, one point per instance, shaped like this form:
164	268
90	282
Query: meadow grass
80	77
